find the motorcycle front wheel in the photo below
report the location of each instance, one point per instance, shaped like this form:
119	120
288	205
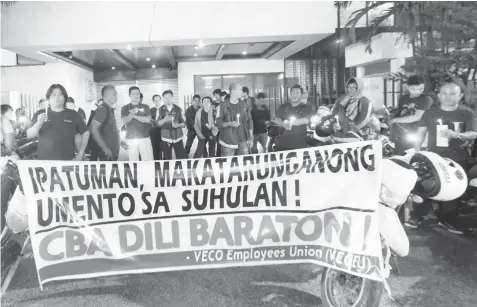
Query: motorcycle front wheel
339	289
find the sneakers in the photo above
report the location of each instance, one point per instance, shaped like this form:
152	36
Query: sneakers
413	222
451	228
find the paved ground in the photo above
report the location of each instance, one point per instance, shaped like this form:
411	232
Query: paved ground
440	271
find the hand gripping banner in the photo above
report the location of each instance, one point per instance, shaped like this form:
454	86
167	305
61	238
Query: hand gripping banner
316	205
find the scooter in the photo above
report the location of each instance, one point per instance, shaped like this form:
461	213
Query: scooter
423	173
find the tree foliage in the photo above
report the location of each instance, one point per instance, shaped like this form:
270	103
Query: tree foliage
442	35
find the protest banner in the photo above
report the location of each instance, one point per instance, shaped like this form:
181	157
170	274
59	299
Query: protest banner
316	205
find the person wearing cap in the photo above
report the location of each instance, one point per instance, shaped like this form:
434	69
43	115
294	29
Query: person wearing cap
294	117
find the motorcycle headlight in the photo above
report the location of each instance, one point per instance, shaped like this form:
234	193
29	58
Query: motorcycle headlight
389	199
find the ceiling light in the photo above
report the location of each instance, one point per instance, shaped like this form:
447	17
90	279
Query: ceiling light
195	54
113	68
244	52
148	59
128	47
196	47
201	44
153	66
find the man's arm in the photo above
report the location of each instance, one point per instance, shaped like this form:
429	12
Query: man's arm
250	122
180	120
408	119
471	133
197	125
126	117
146	118
221	120
98	119
82	129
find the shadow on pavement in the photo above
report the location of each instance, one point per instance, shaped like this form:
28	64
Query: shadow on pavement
441	270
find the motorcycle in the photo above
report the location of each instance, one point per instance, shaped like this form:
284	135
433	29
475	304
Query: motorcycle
11	249
425	174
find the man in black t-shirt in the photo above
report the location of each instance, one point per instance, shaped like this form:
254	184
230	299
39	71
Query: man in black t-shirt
294	116
57	127
411	107
461	123
137	119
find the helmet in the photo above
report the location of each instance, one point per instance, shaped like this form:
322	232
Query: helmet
323	111
324	128
16	216
440	178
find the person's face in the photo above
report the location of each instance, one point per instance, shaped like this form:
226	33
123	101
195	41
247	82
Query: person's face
450	95
304	98
196	102
217	97
157	101
135	96
416	90
206	104
295	95
244	95
57	99
222	98
352	88
70	105
8	115
168	99
237	91
111	97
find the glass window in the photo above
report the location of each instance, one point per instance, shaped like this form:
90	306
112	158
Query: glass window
205	85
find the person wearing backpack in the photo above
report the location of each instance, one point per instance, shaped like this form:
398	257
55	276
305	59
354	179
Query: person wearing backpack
103	128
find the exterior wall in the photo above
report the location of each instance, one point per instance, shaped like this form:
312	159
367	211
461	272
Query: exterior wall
68	25
35	81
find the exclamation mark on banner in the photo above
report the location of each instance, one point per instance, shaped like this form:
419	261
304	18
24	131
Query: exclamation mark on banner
297	192
367	225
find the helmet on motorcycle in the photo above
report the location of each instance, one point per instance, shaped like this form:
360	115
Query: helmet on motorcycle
324	128
440	178
323	111
16	216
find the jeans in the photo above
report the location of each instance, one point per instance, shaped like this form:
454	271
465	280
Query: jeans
262	139
178	150
201	151
241	150
191	135
155	135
